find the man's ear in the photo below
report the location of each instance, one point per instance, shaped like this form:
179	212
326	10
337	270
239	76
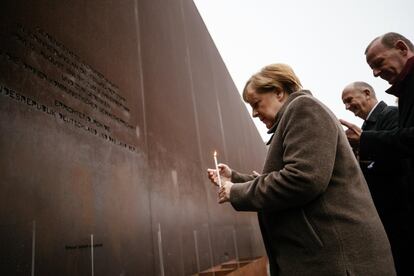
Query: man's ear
401	46
367	92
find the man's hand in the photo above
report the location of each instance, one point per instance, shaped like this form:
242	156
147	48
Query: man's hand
224	192
353	133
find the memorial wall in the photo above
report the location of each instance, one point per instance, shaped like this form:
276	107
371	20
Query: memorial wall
110	112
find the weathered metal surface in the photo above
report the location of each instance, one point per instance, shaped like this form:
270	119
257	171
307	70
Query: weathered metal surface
109	115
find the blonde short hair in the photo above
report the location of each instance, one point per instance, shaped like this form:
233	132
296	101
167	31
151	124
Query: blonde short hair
272	78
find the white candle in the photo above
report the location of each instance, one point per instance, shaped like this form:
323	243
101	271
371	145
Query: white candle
217	169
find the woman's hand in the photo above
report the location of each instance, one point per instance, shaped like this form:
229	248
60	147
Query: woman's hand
224	192
225	173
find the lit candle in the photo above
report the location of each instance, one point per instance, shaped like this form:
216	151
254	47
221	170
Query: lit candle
217	169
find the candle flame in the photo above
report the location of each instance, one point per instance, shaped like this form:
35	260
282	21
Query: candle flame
215	153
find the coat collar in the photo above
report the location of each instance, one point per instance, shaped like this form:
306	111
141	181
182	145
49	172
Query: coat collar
282	110
408	69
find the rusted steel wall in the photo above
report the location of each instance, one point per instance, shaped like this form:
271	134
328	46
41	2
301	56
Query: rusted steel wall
109	114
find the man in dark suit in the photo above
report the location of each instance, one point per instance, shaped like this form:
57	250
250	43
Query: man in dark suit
384	174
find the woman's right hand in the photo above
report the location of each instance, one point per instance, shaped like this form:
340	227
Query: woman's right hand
225	173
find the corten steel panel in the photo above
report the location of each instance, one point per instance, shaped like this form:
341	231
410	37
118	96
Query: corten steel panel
69	181
109	114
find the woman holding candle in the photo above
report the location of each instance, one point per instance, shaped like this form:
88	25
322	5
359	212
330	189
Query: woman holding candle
314	208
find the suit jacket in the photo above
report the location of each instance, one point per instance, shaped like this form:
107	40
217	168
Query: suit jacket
384	174
314	207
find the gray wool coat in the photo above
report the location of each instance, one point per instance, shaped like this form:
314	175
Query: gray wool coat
315	211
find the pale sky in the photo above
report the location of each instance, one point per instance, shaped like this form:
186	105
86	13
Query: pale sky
323	41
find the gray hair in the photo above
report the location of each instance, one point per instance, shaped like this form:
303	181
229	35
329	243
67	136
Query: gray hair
361	86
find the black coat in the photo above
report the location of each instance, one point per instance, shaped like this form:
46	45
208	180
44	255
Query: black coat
395	148
385	178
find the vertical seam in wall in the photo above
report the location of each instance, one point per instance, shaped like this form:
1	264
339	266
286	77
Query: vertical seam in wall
187	48
188	65
193	98
219	111
141	75
141	72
